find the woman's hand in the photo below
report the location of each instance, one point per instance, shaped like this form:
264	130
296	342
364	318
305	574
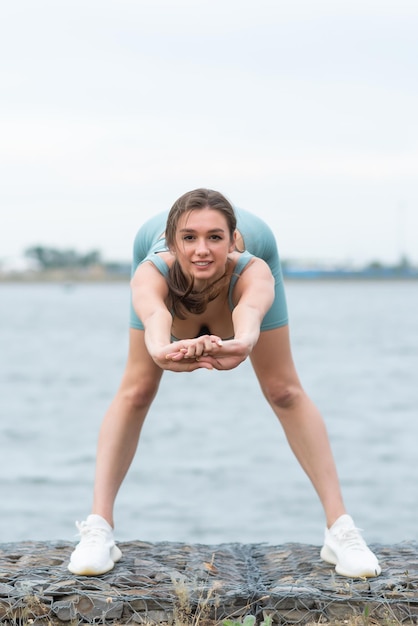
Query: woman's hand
209	351
233	353
195	348
185	355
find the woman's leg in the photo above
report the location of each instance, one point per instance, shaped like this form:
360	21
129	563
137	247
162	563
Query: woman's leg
97	553
302	423
305	430
122	424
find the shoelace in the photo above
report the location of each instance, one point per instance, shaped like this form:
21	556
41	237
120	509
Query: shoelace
351	538
90	535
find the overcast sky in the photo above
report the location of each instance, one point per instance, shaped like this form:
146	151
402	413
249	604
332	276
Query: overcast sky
303	111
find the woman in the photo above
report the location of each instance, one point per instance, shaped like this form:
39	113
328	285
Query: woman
207	292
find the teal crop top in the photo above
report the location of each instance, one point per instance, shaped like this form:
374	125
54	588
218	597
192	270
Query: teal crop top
259	242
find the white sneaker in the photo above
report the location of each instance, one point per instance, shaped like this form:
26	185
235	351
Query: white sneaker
345	548
96	553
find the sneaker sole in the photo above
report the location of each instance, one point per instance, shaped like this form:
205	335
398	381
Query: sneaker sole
328	556
91	571
115	556
364	574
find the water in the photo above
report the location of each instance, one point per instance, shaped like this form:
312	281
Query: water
213	464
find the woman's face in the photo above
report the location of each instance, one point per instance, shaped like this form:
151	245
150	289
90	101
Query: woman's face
202	244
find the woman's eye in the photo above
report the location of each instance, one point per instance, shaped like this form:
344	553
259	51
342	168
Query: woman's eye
210	237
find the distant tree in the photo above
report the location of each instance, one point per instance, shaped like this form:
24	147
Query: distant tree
91	258
52	258
404	262
375	265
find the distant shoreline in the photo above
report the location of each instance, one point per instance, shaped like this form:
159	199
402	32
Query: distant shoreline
64	277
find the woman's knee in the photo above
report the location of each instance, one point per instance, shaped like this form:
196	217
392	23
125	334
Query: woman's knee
283	395
140	394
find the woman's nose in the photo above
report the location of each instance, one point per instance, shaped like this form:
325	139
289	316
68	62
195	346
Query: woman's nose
201	247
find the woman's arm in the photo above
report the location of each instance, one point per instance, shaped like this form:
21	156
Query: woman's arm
149	293
253	296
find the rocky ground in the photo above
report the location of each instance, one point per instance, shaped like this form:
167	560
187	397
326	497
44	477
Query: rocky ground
189	584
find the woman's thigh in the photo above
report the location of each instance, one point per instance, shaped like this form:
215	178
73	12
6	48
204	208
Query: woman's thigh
272	359
140	371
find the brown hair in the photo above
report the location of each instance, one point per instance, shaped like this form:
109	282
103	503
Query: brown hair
181	295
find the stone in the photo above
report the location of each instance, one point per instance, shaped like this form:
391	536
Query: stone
155	582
